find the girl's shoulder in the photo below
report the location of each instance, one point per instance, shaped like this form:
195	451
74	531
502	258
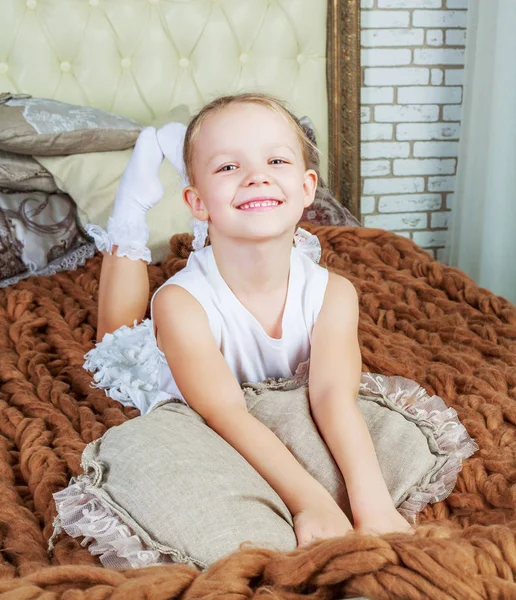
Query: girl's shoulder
194	277
341	291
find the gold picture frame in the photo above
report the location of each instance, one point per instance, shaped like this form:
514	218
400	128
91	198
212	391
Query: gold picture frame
343	77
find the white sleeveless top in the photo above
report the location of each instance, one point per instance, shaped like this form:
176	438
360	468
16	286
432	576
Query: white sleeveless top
251	354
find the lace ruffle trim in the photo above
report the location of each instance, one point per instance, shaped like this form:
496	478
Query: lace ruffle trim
68	262
450	436
81	513
131	239
308	244
126	365
200	233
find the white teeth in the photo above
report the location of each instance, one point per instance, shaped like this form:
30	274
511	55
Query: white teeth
259	203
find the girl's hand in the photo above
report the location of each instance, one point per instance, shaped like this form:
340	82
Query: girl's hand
320	521
381	522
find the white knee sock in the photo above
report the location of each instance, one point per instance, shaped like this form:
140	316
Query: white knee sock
139	190
171	139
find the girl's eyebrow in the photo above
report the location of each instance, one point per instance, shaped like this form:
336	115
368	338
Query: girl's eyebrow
219	154
282	147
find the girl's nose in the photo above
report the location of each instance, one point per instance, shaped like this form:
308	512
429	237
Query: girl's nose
257	178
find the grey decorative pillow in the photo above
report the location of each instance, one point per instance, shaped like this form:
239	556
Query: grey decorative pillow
39	235
325	210
43	127
165	487
21	173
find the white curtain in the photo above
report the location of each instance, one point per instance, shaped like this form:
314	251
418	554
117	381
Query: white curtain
482	239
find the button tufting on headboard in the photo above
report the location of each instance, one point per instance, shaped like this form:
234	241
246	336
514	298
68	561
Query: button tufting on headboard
141	58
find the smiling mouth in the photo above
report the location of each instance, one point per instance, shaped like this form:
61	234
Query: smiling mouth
259	204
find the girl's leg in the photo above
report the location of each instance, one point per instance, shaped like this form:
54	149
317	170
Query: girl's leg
123	293
124	283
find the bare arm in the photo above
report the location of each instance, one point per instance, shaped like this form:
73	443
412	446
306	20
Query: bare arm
210	388
123	293
335	370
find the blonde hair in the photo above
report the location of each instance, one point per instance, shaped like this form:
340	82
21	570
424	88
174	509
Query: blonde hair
309	149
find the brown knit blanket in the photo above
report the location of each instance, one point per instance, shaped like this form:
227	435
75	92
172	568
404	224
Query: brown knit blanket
419	319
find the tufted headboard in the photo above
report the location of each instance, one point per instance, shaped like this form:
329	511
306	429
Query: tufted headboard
140	58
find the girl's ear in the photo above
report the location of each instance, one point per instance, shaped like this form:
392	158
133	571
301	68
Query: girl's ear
194	202
309	186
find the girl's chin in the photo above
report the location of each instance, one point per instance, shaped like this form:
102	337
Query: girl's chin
264	226
265	234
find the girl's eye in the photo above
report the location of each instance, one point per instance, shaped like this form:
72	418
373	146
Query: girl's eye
228	168
278	161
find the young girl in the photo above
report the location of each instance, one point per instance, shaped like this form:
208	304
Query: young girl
250	305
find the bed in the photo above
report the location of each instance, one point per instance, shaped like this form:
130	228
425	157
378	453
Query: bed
419	319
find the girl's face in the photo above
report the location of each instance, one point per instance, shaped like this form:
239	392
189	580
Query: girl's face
250	175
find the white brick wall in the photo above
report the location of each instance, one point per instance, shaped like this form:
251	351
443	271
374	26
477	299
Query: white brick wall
412	77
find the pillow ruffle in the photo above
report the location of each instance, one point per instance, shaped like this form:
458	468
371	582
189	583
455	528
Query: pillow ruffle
82	514
447	438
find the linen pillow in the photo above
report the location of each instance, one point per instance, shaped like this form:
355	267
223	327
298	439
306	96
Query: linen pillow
414	457
172	489
50	128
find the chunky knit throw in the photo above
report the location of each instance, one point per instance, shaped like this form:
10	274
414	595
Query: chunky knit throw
419	319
